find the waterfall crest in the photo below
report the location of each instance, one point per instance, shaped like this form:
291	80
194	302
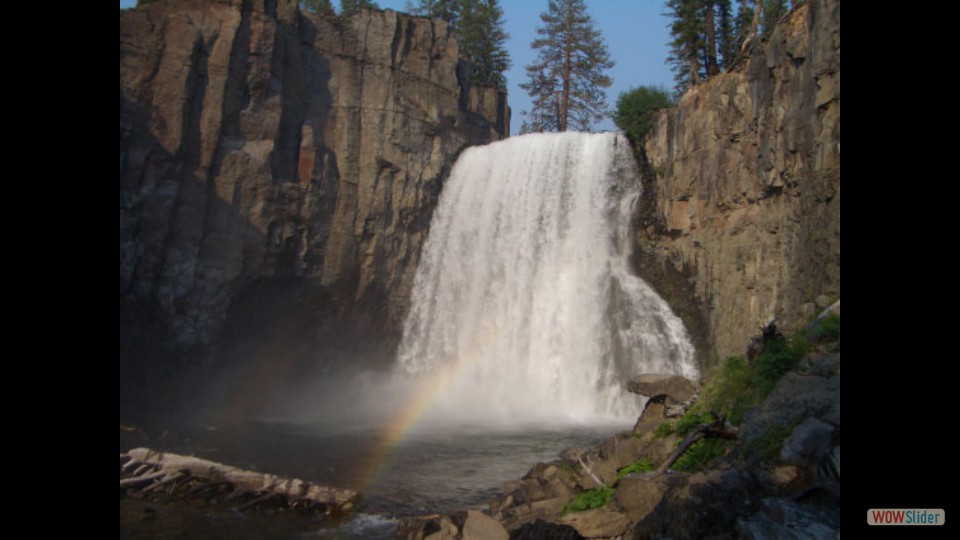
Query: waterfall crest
523	303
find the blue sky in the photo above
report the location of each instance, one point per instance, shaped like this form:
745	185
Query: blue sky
635	32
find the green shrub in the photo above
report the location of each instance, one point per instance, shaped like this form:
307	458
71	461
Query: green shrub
693	418
826	329
636	109
768	445
589	499
700	454
664	430
638	466
778	357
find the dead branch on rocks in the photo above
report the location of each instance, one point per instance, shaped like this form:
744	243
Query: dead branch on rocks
714	429
587	469
152	470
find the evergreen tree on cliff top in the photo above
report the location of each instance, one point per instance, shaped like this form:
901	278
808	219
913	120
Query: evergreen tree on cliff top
478	26
349	7
567	80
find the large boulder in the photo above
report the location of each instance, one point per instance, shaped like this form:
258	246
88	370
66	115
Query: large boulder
796	397
778	518
479	526
545	530
809	442
469	525
668	389
651	417
703	505
639	494
597	523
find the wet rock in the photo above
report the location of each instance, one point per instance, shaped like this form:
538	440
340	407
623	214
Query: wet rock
598	523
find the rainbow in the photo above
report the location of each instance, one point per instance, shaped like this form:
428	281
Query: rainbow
422	398
402	424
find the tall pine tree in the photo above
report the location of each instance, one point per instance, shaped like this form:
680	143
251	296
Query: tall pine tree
567	80
478	25
704	40
320	7
349	7
688	43
483	41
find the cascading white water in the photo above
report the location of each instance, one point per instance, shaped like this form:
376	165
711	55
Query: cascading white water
523	304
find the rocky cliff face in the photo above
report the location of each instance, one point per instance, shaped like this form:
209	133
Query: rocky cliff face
741	221
277	175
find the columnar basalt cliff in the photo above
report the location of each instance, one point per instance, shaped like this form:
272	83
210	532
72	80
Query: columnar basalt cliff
278	172
741	216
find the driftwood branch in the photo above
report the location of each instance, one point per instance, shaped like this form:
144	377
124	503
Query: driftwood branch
590	472
142	479
169	468
166	481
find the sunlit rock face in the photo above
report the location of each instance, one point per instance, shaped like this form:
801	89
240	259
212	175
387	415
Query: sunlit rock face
741	219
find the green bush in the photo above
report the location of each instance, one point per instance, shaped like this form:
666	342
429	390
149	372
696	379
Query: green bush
826	329
768	445
701	454
736	387
778	357
638	466
664	430
693	418
636	108
739	385
589	499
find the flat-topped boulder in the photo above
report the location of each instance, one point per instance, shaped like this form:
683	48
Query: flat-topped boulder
669	389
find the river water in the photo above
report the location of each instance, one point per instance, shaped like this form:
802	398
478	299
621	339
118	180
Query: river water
433	469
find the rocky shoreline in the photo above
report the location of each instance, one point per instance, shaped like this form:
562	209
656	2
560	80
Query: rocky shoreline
779	479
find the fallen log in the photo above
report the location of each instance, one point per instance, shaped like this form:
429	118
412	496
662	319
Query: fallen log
702	431
169	468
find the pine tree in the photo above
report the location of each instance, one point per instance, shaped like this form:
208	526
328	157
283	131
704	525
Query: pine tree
483	42
567	80
725	33
349	7
478	25
448	10
687	30
704	40
772	11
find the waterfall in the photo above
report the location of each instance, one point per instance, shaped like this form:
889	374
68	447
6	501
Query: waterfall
523	306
